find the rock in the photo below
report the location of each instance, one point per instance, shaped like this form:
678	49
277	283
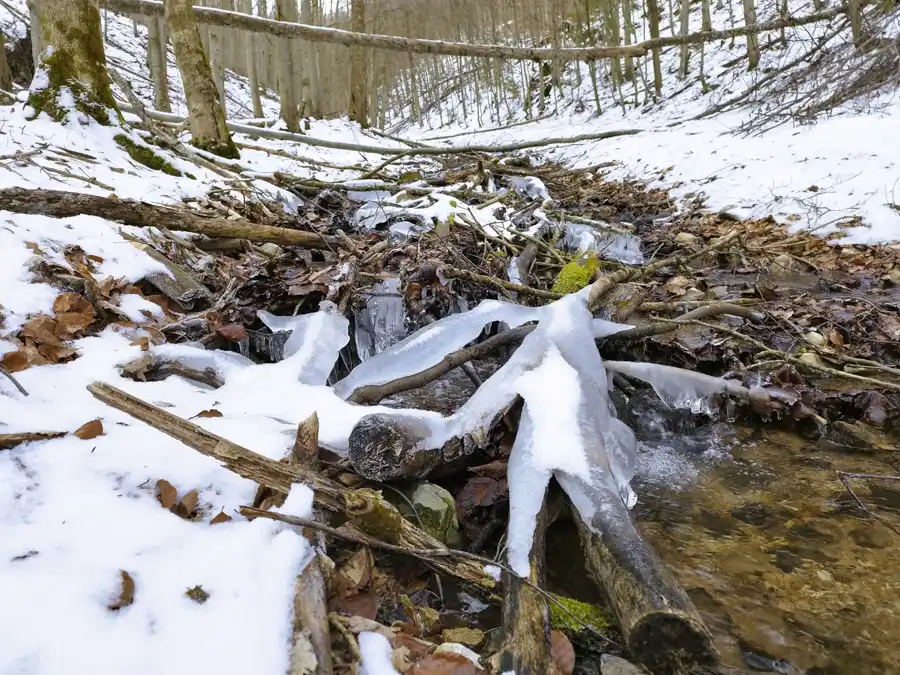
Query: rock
469	637
692	294
437	509
271	250
812	359
615	665
783	265
756	514
685	238
872	535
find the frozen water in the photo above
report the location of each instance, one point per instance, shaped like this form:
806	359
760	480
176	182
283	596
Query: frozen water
531	187
427	346
625	248
315	342
678	388
381	322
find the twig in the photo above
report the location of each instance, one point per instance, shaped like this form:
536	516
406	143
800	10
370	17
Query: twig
424	554
15	382
465	275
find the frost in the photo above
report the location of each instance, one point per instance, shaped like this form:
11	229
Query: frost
582	239
678	388
315	342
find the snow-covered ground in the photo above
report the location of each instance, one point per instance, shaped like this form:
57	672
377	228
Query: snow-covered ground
76	512
817	175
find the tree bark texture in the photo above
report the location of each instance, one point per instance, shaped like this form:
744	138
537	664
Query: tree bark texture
205	113
359	71
159	74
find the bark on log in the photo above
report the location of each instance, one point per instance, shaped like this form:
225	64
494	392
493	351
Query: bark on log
216	17
61	204
660	624
366	509
385	447
526	617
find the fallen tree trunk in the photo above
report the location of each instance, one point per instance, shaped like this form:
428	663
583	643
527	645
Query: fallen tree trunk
380	150
61	204
526	617
366	509
218	17
660	624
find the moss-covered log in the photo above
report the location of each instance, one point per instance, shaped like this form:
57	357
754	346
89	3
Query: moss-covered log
205	114
73	63
662	629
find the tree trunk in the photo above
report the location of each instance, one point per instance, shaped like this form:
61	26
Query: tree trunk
653	20
706	18
627	15
249	40
156	49
855	12
286	10
205	113
6	81
77	62
217	57
359	75
35	28
685	17
752	38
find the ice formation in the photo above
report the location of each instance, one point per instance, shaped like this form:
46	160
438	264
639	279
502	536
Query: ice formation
381	322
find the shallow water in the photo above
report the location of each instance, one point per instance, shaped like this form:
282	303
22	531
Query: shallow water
787	571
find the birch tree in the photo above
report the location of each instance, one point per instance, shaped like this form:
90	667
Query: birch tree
206	116
73	59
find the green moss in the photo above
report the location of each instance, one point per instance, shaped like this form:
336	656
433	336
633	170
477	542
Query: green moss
579	613
575	275
144	155
226	149
78	65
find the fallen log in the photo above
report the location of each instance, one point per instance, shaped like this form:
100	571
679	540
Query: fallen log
366	509
662	629
62	204
9	441
310	623
526	617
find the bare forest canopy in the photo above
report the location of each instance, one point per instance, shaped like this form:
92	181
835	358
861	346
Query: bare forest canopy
393	62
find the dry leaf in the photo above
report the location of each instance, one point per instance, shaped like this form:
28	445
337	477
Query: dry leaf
212	412
89	430
562	651
41	329
358	624
15	362
142	342
444	663
221	518
189	502
168	495
126	593
361	604
31	246
355	573
232	331
56	353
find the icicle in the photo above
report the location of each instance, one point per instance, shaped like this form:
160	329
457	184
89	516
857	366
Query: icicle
381	323
677	387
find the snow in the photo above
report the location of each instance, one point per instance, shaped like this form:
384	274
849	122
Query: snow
376	654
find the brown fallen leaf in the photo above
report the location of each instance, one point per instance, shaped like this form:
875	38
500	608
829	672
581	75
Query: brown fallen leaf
212	412
42	329
353	574
142	342
89	430
232	331
189	503
562	651
480	491
56	353
15	362
168	495
222	517
360	604
444	663
126	593
73	313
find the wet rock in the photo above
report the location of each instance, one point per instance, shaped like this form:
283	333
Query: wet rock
756	514
787	561
615	665
271	250
437	509
784	265
872	535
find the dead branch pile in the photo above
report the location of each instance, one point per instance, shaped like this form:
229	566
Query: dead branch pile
804	330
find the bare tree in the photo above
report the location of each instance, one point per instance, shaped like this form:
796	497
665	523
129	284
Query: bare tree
5	73
286	10
359	75
76	62
205	113
653	20
685	16
752	38
157	48
249	46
